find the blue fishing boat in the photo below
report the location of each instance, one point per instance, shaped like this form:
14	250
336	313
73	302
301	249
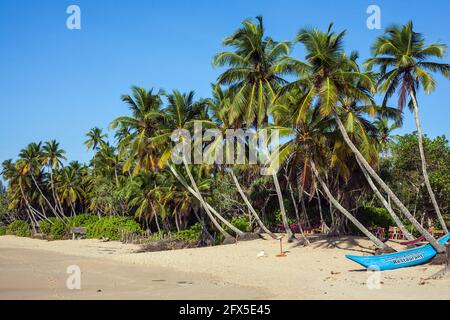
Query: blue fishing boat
407	258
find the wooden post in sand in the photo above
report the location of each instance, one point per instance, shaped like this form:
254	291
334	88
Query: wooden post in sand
282	254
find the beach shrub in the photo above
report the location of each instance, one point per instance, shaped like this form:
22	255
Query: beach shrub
19	228
83	220
193	233
111	227
59	230
375	217
2	230
279	219
242	223
46	226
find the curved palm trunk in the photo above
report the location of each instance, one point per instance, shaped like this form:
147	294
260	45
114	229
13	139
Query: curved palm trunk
438	247
291	235
30	208
296	213
424	163
250	207
347	214
58	204
203	203
325	228
207	205
380	197
45	198
305	213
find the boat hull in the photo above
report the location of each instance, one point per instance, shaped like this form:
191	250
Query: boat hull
407	258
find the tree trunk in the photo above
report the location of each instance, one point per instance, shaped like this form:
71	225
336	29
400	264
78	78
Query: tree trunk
424	163
305	213
347	214
30	207
58	204
203	203
44	197
207	205
291	235
323	225
250	207
385	187
296	212
385	203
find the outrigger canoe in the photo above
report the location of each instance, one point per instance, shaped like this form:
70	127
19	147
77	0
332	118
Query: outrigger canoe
396	260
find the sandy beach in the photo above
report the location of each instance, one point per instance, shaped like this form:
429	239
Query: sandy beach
36	269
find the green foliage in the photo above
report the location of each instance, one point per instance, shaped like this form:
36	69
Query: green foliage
111	227
46	226
59	230
83	220
193	233
375	217
242	223
19	228
279	220
2	230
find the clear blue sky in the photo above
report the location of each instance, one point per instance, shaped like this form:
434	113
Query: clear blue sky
57	84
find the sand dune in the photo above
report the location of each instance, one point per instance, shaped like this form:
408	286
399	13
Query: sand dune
33	269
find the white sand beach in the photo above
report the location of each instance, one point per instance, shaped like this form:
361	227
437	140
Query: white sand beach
36	269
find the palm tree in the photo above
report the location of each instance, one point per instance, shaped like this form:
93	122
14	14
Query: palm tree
181	112
70	187
96	138
29	162
255	70
384	133
254	78
332	77
402	56
52	157
219	107
140	128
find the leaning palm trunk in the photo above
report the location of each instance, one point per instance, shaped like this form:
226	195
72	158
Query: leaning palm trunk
45	198
347	214
296	213
204	204
385	187
291	235
31	210
58	204
207	206
250	207
424	163
380	197
323	225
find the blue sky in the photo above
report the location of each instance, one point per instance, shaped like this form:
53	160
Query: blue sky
57	83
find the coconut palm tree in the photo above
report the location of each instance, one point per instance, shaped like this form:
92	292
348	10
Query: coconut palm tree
96	138
182	111
255	70
70	187
141	126
403	58
219	107
29	162
332	77
52	157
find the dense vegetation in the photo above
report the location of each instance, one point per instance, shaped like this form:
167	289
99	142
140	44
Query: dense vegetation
341	167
